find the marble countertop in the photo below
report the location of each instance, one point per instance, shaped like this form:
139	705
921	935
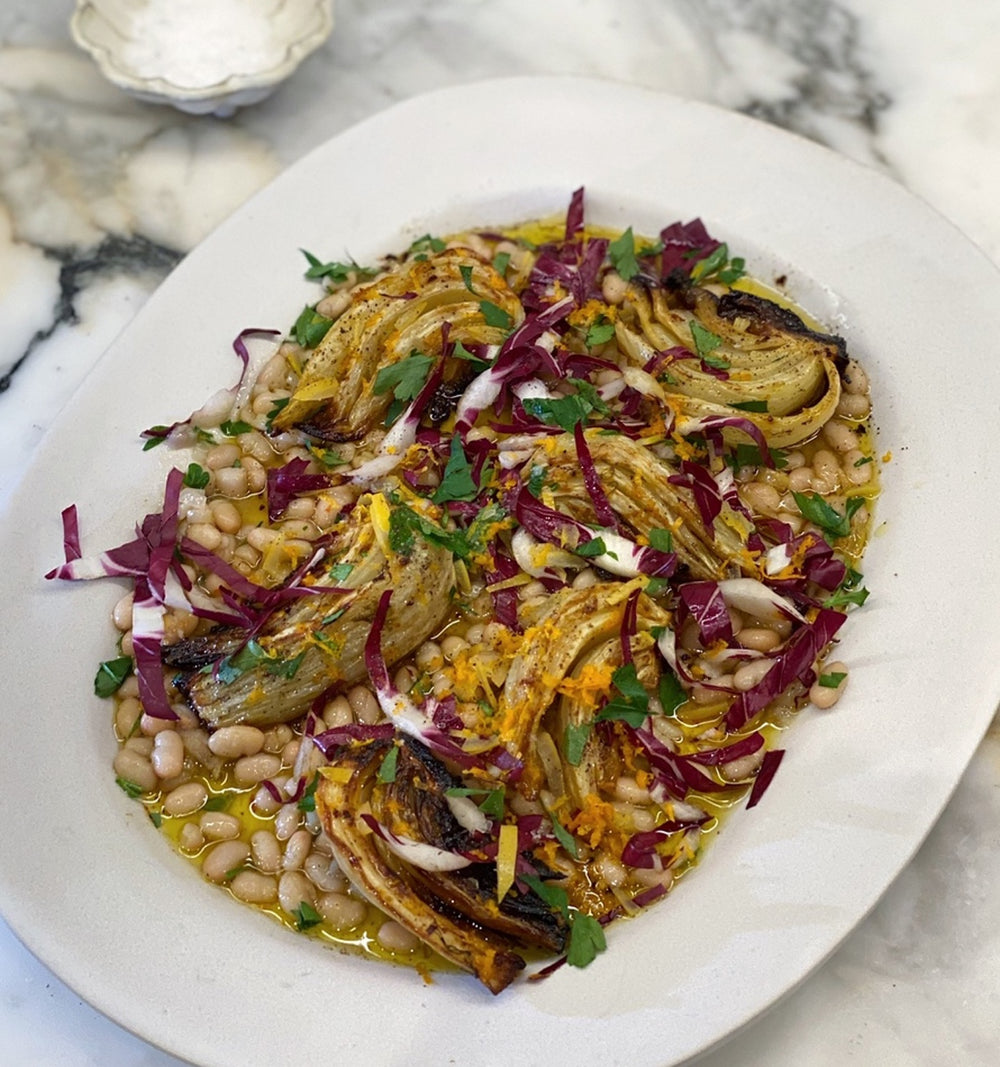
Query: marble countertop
100	196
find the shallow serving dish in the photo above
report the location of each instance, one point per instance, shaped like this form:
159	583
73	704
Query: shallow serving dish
201	56
96	892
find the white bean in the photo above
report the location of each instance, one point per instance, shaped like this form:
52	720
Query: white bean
296	850
825	696
252	887
224	857
324	872
752	673
232	742
185	799
251	770
265	802
191	838
266	851
287	821
121	613
363	704
132	766
341	911
613	287
294	889
168	754
396	938
219	826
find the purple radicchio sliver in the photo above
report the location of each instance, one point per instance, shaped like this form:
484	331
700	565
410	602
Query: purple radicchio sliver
330	740
592	482
286	482
793	663
675	772
574	214
684	243
640	849
705	602
768	769
746	746
71	533
630	624
240	348
147	643
505	601
703	487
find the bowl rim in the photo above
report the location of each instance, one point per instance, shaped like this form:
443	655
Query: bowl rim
159	86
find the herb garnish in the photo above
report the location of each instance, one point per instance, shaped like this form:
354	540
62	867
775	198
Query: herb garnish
111	674
601	331
827	518
310	327
196	477
338	273
567	411
705	343
586	935
621	252
495	315
457	482
719	267
491	804
306	916
632	703
577	736
405	379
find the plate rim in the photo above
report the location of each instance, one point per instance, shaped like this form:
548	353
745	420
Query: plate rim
537	87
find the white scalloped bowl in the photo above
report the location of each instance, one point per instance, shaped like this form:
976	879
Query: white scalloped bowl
201	56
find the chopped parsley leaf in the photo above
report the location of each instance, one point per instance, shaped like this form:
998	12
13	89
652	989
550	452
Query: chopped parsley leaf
387	768
567	411
621	252
500	262
310	327
750	405
577	736
632	703
670	692
466	271
601	331
832	680
705	343
406	378
111	674
250	657
536	480
563	836
276	408
661	539
336	272
814	508
719	266
131	788
457	482
586	935
594	547
495	315
306	916
235	427
196	477
749	456
155	435
427	243
491	804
